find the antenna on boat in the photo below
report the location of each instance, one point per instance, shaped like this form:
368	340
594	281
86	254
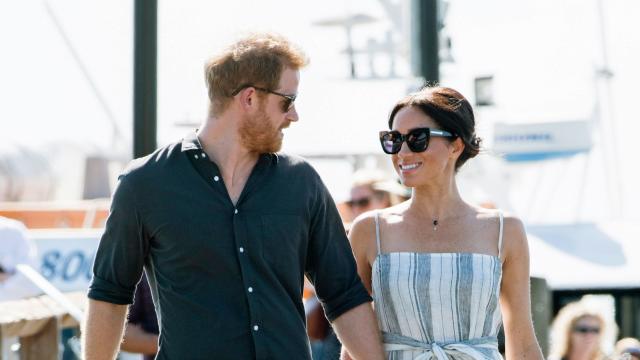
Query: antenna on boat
117	135
606	120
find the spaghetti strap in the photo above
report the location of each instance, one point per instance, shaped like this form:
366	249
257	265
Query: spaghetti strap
500	234
377	232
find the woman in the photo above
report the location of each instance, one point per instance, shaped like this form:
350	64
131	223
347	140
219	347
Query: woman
582	330
442	272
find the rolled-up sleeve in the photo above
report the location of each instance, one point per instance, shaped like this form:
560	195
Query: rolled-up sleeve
121	253
331	266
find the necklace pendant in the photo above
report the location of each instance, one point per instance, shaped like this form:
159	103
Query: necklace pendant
435	225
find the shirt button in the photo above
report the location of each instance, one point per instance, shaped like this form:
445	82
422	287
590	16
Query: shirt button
250	289
256	328
235	211
241	249
195	156
216	178
203	155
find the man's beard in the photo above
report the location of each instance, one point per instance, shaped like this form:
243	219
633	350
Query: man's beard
258	135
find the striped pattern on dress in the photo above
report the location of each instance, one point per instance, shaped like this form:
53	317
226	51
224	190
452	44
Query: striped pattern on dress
438	297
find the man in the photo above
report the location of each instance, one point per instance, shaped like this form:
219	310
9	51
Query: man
225	230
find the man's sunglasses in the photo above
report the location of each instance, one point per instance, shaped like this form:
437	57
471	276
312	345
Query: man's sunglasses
586	330
287	104
417	139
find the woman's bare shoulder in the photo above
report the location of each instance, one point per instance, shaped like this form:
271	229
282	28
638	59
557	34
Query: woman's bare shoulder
510	221
514	243
362	230
394	213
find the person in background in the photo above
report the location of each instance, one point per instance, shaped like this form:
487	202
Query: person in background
141	332
15	248
582	330
372	190
628	346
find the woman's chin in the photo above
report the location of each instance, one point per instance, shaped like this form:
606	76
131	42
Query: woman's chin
409	182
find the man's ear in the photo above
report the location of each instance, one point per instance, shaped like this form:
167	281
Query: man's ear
248	98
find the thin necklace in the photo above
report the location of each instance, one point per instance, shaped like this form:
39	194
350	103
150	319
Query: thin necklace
435	221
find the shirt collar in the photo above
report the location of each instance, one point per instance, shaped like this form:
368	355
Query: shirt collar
190	142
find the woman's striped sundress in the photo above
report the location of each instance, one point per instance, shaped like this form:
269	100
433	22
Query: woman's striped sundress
438	305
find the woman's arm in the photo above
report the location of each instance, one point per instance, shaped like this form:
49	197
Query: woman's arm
515	300
362	238
137	340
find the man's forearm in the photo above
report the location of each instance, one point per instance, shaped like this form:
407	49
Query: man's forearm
102	330
358	331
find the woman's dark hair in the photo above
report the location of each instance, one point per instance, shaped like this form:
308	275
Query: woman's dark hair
451	111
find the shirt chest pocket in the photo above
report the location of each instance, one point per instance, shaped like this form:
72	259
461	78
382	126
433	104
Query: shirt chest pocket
284	241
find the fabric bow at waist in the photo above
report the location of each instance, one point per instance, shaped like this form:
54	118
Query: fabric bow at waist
439	350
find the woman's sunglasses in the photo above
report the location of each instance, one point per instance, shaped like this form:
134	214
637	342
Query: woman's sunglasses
417	139
287	103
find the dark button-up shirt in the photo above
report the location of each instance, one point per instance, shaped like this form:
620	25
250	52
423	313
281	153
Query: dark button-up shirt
226	279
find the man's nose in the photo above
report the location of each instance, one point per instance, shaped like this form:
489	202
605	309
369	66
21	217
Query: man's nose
292	115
